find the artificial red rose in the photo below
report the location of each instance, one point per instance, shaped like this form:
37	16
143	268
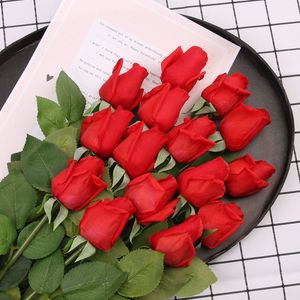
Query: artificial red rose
104	221
138	151
247	176
205	182
125	89
183	69
161	106
77	185
241	126
151	197
226	92
103	131
224	218
189	140
177	242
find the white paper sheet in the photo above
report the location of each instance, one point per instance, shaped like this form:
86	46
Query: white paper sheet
79	40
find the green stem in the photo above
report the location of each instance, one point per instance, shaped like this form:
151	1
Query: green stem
20	251
31	295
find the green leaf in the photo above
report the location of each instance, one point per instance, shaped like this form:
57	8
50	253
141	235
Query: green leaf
61	216
136	228
207	232
93	108
183	282
145	269
220	143
17	198
46	274
42	162
103	105
142	240
48	206
15	156
75	216
65	140
8	234
182	202
14	293
92	281
87	251
69	97
50	116
118	173
15	274
44	243
111	257
199	276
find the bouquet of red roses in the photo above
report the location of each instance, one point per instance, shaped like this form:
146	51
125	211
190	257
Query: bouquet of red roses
114	203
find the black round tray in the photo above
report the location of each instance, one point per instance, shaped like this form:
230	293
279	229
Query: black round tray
274	144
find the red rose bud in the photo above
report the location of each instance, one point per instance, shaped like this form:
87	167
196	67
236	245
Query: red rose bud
151	197
224	218
76	186
103	131
241	126
205	182
104	221
161	106
177	243
189	140
125	89
247	176
183	69
226	92
137	153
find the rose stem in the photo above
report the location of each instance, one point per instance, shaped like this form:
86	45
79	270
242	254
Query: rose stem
20	251
67	262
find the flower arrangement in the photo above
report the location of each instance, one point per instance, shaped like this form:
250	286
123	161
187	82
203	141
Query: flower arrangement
114	203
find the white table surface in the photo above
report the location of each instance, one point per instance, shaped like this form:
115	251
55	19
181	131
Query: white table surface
266	264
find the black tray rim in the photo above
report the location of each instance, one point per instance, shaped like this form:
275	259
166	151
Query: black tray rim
35	36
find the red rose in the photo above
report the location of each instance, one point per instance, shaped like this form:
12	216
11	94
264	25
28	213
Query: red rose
189	140
137	153
151	197
184	69
226	92
241	126
177	243
77	185
125	89
103	131
205	182
247	176
224	218
162	105
104	221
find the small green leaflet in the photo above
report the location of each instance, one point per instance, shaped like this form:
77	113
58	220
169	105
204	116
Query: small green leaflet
17	198
92	281
207	232
41	161
44	243
8	234
220	143
182	202
164	161
46	274
93	108
48	206
87	251
14	293
61	216
145	269
136	228
78	240
15	274
70	97
201	108
79	152
50	116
